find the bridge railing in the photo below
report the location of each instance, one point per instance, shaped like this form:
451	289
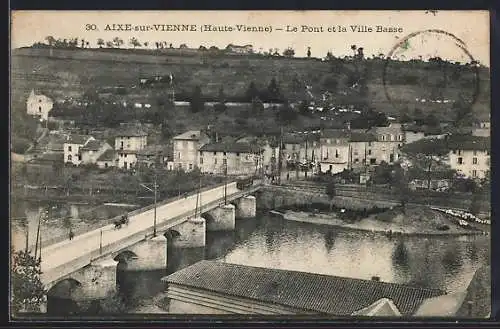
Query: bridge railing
108	221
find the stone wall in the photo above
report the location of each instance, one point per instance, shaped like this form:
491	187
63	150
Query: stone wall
192	233
222	218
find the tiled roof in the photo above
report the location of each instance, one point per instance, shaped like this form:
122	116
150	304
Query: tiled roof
478	294
335	133
77	139
315	292
190	135
93	145
131	132
108	155
468	142
362	137
230	147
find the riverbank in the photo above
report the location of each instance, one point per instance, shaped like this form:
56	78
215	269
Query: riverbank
416	221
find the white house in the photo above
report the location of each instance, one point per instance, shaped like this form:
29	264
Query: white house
92	150
470	155
39	105
72	147
334	149
186	148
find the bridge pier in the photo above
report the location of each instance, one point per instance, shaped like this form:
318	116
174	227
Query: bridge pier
223	218
98	280
147	255
190	234
246	207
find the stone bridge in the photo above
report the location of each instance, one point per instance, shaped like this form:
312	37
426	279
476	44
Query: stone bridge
89	261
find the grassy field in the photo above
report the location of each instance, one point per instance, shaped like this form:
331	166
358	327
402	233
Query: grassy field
70	72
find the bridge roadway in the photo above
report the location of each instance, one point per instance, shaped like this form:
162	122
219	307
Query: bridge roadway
63	258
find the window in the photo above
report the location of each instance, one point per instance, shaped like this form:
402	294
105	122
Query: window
124	155
40	109
70	157
355	152
215	160
454	151
336	153
369	143
474	152
224	162
224	154
201	160
459	152
79	157
356	160
69	148
190	166
391	158
400	137
179	155
383	137
373	161
106	165
474	160
392	137
460	161
215	153
474	173
369	152
238	154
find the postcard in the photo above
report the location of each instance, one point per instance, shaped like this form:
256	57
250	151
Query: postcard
327	164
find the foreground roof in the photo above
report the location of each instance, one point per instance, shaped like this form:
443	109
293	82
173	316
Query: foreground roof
93	145
315	292
77	139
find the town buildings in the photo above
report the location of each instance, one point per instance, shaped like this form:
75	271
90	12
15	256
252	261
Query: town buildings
186	147
92	150
211	287
237	158
386	147
470	155
39	105
128	142
72	146
334	150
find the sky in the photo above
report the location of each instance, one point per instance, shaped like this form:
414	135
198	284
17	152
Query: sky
470	27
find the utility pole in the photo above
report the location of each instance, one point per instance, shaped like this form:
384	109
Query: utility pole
306	162
38	232
225	184
155	193
280	150
100	244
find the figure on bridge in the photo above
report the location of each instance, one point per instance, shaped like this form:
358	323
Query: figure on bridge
71	234
123	220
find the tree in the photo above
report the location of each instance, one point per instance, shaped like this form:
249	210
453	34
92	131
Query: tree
400	182
287	114
331	191
431	120
475	205
425	153
134	42
273	90
28	293
109	44
308	52
100	42
329	82
361	55
289	52
117	42
252	92
50	40
196	102
353	48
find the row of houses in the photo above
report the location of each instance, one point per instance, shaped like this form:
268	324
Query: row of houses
130	149
329	151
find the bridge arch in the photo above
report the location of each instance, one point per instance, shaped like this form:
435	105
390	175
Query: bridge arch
125	256
171	234
61	297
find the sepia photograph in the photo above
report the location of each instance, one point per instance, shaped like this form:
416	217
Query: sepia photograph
326	164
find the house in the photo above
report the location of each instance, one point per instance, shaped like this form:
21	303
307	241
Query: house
92	150
483	129
150	155
360	147
236	158
72	147
246	49
211	287
131	138
186	148
39	105
270	151
107	159
128	141
386	147
292	144
470	155
334	150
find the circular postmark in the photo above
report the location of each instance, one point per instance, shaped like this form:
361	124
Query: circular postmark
432	67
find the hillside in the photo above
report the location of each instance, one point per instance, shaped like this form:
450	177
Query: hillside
63	73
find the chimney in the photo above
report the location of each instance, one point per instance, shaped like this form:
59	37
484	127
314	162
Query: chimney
376	278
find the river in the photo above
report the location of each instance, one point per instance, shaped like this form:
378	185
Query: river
430	262
436	262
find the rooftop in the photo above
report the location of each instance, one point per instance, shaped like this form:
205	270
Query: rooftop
108	155
314	292
230	147
335	133
469	142
362	137
93	145
131	132
189	135
77	139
